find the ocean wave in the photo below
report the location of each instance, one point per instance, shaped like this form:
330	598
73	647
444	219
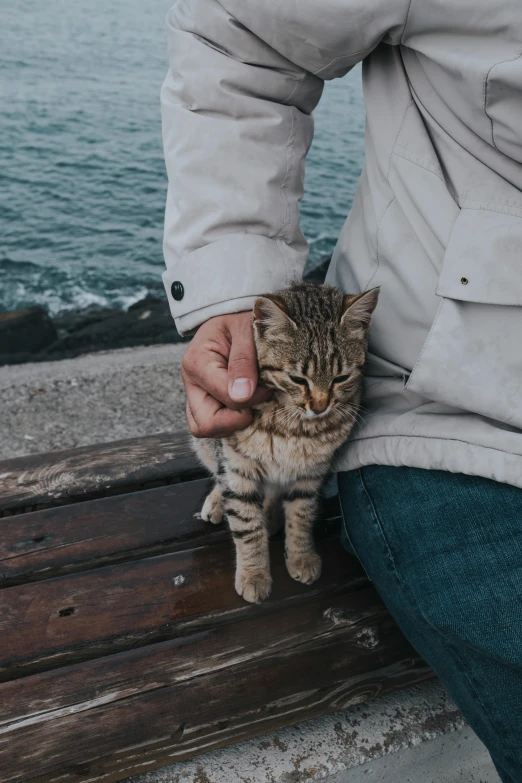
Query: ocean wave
77	298
83	176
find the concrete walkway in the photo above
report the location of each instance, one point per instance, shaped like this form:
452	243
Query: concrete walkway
91	399
458	757
415	736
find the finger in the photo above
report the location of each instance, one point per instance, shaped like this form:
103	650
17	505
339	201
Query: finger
209	375
242	362
198	433
262	394
213	378
191	421
211	419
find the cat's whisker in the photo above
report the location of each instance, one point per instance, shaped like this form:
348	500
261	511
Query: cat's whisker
353	413
298	414
355	405
349	414
360	416
360	408
293	417
283	412
359	420
290	414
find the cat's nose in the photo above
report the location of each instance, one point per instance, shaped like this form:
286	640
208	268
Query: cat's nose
319	404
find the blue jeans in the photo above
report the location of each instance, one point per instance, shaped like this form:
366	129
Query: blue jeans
444	551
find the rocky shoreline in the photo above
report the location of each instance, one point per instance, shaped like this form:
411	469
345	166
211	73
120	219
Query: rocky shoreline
32	335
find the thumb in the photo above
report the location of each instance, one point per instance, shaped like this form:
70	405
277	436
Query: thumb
242	363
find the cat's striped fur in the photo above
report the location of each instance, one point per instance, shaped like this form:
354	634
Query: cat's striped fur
311	344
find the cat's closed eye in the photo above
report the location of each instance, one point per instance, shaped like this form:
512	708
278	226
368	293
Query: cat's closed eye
341	378
299	380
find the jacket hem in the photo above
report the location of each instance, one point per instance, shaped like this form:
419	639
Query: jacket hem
429	453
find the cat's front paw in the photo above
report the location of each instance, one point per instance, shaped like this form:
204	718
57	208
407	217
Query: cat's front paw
254	587
304	568
212	510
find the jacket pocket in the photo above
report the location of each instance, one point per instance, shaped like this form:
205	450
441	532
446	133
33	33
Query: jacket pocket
503	105
472	357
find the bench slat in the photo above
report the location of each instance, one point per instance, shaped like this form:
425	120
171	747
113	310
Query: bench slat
55	541
234	727
172	720
63	476
35	698
86	615
67	539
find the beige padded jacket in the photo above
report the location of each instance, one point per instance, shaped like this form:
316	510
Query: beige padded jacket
437	219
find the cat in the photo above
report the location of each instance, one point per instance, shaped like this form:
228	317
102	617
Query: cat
311	343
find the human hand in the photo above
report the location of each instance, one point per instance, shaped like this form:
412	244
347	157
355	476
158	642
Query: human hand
219	371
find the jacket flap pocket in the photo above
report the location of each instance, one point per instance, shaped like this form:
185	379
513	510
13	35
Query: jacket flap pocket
472	357
483	260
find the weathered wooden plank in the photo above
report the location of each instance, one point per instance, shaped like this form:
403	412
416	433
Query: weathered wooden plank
148	756
92	471
67	539
55	541
39	698
86	615
212	708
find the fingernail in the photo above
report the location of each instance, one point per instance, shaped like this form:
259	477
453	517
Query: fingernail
241	389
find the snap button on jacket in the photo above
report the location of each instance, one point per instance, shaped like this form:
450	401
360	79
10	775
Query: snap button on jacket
436	222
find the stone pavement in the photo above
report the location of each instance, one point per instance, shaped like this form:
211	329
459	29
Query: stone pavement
414	736
95	398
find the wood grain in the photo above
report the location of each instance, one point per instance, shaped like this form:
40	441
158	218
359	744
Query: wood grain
75	762
85	615
94	471
204	692
67	539
148	756
55	541
37	697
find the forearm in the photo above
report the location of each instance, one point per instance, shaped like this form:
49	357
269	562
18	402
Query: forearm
244	78
235	140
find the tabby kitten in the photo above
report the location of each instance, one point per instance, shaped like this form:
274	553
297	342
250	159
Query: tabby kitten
311	345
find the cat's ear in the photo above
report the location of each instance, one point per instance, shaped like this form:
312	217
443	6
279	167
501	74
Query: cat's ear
271	317
358	308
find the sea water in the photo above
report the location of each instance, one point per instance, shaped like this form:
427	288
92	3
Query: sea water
82	177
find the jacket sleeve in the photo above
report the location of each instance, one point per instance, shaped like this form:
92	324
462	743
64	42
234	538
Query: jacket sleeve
243	80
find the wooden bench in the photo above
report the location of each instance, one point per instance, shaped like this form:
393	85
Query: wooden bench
123	645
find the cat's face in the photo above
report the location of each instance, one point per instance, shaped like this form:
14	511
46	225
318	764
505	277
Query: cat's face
311	343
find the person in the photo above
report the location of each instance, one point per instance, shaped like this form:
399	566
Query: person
431	482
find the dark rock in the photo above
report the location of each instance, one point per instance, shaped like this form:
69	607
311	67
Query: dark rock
26	331
150	301
147	322
17	358
31	336
72	321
